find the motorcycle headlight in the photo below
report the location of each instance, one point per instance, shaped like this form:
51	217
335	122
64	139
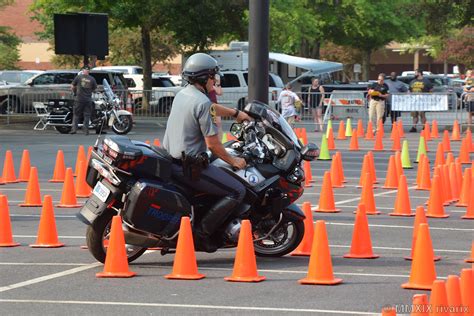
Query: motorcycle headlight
297	176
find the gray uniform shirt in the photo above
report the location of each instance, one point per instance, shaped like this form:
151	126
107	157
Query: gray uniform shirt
84	86
395	87
190	121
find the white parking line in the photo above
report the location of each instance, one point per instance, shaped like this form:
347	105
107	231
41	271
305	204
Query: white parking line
61	237
401	226
24	189
42	264
192	306
49	277
39	215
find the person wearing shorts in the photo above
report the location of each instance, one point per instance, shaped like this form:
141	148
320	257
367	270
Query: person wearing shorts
315	102
469	98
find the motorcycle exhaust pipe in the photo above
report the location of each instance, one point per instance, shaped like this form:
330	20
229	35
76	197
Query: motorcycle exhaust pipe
137	238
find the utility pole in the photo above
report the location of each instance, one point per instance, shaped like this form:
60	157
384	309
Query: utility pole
258	50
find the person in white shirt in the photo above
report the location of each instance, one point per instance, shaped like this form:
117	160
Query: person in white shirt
287	100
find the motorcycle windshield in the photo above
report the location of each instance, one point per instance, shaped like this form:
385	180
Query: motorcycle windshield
108	90
276	120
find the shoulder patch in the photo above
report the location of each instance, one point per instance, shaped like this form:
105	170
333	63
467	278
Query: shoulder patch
213	113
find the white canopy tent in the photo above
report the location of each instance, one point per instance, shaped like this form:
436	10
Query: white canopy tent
315	66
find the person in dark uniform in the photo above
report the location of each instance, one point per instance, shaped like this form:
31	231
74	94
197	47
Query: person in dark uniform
418	85
394	86
82	86
191	130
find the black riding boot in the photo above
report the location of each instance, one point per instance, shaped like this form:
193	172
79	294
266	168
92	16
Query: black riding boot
215	217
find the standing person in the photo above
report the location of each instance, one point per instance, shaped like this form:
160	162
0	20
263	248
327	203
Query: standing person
214	89
394	86
315	102
418	85
469	98
378	93
82	86
287	99
190	131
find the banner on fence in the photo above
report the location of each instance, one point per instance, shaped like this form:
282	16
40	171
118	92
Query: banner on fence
420	102
345	104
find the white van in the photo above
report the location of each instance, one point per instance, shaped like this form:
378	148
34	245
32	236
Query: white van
129	70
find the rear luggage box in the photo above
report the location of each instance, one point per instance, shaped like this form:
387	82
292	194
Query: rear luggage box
155	208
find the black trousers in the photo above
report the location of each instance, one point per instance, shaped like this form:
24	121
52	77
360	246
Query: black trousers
213	181
81	110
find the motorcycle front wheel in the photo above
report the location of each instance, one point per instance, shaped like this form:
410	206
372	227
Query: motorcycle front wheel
97	238
282	241
124	127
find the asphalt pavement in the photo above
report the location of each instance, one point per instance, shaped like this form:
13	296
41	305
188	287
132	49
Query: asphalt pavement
62	281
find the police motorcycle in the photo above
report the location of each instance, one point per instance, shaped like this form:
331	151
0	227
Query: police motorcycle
106	112
133	179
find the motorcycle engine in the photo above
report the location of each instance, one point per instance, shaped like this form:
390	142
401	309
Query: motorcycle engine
232	231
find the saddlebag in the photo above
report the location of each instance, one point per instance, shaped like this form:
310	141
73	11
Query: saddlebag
155	208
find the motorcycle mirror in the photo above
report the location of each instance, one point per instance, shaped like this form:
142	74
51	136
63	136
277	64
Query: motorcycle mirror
310	152
236	130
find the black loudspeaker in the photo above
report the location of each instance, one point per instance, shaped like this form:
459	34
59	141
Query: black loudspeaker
81	34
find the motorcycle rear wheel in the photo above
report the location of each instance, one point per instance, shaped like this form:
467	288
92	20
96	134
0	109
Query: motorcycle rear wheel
97	237
282	241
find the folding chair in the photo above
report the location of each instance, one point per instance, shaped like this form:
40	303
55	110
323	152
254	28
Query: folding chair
42	113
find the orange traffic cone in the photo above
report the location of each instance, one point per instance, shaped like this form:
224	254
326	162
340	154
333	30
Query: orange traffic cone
81	157
434	129
458	168
25	165
59	168
361	246
425	178
304	136
360	129
340	166
354	145
185	265
419	169
245	265
391	180
336	178
423	271
439	299
447	185
304	248
469	140
83	190
68	197
394	127
147	141
308	177
420	218
33	195
465	189
453	289
396	146
367	196
471	259
389	311
439	155
378	145
422	133
470	206
456	134
9	169
402	202
435	204
6	236
398	164
116	263
464	152
369	135
320	265
427	132
420	305
47	234
372	169
326	198
331	144
341	133
365	169
156	142
380	128
449	158
455	190
467	288
400	129
446	141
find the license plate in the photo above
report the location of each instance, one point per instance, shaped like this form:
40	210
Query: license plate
101	191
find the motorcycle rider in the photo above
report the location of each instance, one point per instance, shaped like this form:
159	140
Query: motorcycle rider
82	86
190	131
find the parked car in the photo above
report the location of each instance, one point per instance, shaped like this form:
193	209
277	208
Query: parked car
129	70
235	89
15	77
54	84
441	84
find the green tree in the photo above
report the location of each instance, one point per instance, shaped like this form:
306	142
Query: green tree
369	25
9	54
